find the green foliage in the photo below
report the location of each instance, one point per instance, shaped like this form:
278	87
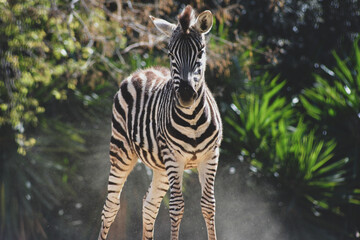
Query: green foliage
262	130
22	62
306	167
334	104
255	113
46	55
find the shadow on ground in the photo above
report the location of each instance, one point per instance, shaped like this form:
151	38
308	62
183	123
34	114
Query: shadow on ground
247	207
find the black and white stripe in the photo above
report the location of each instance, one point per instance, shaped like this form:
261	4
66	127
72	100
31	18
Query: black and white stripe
169	120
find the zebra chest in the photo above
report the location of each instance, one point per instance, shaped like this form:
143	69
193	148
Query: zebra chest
184	137
189	144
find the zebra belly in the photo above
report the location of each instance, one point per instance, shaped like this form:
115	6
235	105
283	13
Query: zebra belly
188	159
193	160
150	159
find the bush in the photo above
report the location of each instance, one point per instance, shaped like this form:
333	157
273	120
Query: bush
266	130
334	105
255	113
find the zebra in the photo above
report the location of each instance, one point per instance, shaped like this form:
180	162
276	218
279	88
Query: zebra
170	120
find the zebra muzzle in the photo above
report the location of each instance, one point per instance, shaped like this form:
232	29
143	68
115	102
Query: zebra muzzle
186	94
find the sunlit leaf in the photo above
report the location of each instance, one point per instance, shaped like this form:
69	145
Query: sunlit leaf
331	167
312	110
343	68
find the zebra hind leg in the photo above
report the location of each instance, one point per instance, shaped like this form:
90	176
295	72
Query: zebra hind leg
121	166
152	202
207	172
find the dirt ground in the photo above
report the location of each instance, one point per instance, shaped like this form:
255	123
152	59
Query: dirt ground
247	207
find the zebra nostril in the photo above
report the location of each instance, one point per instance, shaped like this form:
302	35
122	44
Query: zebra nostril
186	91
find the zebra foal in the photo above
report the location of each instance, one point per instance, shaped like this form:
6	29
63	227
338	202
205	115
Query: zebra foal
169	120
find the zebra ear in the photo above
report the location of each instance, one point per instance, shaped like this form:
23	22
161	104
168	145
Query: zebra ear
204	22
163	25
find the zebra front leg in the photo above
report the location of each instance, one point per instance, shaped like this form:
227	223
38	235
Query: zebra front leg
152	202
174	172
207	172
121	166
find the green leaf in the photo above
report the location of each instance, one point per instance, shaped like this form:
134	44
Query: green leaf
237	127
312	110
354	201
336	165
344	69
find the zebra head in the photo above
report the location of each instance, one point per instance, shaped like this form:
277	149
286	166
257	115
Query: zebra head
187	52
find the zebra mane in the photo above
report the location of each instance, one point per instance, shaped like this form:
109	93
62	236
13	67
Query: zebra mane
186	19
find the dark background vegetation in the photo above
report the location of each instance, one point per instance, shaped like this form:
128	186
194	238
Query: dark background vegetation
286	77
